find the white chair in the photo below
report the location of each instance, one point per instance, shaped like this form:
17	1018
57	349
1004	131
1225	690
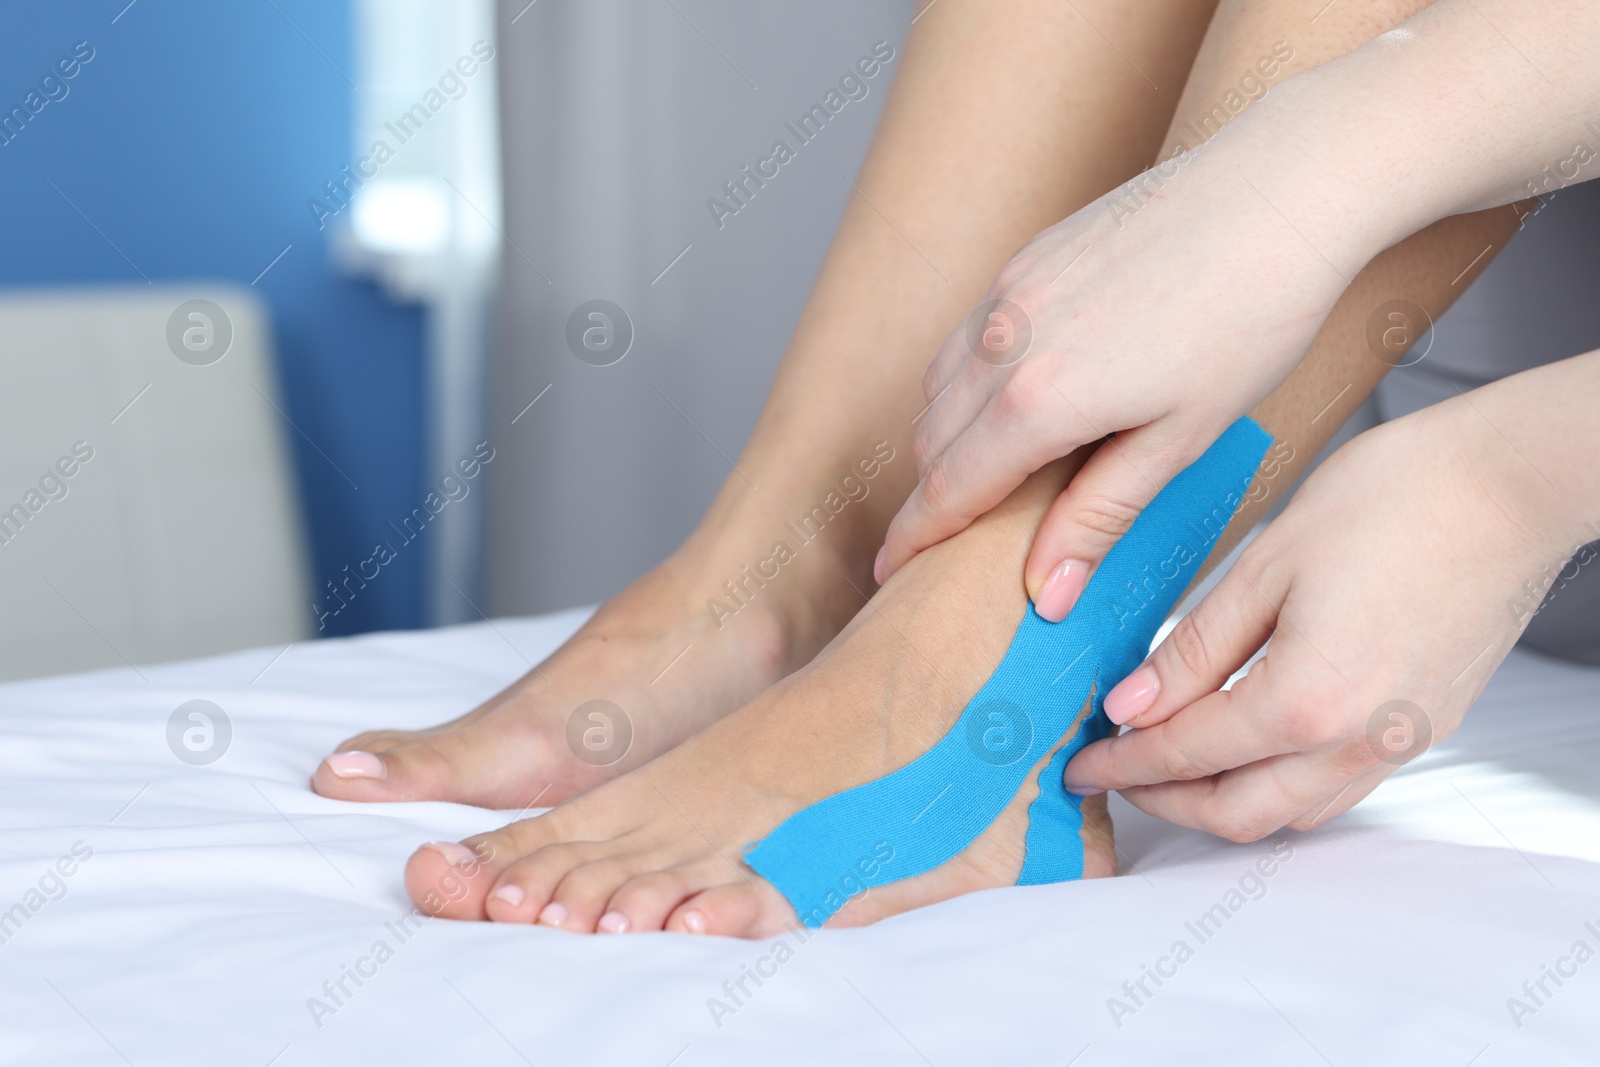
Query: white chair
147	505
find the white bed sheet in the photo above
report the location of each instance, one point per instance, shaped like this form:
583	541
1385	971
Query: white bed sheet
218	899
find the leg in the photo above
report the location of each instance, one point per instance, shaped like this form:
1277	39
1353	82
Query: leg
961	172
660	846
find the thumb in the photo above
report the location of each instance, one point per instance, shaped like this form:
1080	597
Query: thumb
1097	507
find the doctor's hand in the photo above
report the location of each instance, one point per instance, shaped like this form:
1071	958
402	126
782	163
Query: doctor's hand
1396	581
1160	313
1168	308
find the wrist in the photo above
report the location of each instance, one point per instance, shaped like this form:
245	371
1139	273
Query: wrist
1534	439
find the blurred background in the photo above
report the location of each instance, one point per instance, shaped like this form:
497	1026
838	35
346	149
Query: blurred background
384	213
319	318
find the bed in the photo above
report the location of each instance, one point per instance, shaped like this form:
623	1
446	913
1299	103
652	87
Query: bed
199	913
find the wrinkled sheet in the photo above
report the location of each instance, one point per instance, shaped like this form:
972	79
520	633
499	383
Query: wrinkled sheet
218	899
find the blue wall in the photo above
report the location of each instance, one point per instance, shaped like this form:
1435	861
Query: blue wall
193	139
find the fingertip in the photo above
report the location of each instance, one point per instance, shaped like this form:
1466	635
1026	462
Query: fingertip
1133	696
1061	589
897	550
1073	776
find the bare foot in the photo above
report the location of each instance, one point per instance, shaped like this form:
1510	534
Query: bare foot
656	661
659	848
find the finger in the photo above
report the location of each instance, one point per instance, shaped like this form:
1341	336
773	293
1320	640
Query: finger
1097	507
946	363
979	470
996	333
958	403
1227	627
1246	803
1214	734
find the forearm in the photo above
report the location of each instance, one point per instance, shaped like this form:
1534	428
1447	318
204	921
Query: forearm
1536	436
1469	104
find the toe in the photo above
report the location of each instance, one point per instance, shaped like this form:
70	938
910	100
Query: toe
740	909
405	769
459	766
644	902
355	774
526	887
580	900
446	878
508	902
454	879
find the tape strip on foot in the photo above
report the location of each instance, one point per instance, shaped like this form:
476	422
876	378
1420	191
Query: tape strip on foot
920	816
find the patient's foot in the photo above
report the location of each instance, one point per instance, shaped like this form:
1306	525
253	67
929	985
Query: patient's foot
660	848
655	651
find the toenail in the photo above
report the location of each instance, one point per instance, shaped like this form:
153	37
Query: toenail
511	894
356	765
694	922
553	914
614	922
455	853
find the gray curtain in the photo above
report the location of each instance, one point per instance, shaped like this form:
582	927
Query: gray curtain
621	119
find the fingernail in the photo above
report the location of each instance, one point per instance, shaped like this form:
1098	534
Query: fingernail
1133	696
455	853
511	894
1061	590
613	922
1084	790
877	565
356	765
553	914
694	922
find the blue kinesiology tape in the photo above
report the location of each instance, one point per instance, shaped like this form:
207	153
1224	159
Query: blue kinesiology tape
920	816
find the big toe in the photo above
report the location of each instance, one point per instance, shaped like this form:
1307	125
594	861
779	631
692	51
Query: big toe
397	769
458	767
447	879
453	879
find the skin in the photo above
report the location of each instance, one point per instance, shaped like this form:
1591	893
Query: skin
1491	491
1303	189
933	221
1306	746
658	848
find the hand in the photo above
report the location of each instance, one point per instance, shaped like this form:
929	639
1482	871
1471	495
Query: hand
1200	287
1392	586
1162	313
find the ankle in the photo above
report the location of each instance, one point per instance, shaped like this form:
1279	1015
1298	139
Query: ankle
782	588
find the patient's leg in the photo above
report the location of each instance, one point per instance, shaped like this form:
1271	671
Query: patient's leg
1003	119
662	845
